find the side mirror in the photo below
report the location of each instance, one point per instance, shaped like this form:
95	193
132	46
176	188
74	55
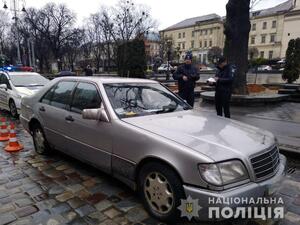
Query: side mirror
3	86
95	114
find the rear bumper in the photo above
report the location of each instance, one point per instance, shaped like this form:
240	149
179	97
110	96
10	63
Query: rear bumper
251	190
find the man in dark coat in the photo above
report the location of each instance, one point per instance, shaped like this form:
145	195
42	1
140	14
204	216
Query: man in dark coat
88	71
187	75
224	80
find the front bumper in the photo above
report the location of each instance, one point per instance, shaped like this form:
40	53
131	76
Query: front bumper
251	190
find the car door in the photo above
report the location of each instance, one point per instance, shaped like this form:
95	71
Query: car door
4	92
90	140
52	111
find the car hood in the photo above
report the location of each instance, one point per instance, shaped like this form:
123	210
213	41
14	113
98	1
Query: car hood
27	91
216	137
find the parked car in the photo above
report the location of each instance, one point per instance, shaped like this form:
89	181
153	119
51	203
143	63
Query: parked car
264	68
164	68
15	85
143	134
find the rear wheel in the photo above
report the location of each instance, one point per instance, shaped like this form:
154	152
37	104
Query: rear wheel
13	109
40	142
161	190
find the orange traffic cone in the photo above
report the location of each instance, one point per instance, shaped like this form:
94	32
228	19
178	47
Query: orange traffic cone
4	134
13	144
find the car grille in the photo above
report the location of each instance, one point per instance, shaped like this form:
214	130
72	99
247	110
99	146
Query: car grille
265	165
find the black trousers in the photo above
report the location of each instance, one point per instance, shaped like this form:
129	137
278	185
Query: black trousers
188	96
222	101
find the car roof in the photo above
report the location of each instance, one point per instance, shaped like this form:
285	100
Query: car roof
21	73
107	80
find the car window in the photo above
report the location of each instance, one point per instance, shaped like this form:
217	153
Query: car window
48	96
6	81
62	94
85	97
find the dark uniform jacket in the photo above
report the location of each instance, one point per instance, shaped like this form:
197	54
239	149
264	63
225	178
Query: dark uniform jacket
225	75
193	75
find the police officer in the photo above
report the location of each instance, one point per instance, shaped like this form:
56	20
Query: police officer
187	75
224	80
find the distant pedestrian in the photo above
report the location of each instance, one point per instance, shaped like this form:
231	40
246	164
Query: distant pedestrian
88	71
187	75
224	80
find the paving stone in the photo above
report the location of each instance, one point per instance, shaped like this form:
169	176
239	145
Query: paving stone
75	188
98	216
83	194
297	201
62	167
26	211
38	164
7	218
7	208
3	181
136	215
76	202
106	189
23	202
105	204
56	190
29	186
64	196
78	221
70	215
3	194
95	198
89	183
121	220
47	204
6	200
289	191
151	221
112	213
35	191
24	221
11	185
108	222
60	208
52	173
41	216
85	210
127	205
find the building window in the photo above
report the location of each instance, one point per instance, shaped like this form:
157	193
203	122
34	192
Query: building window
253	40
200	43
200	57
211	31
262	54
192	44
210	43
205	32
200	32
204	58
263	39
270	54
179	45
272	38
193	33
205	44
183	45
264	25
179	35
254	26
274	24
183	35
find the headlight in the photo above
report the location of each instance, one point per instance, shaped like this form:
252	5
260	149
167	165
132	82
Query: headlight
220	174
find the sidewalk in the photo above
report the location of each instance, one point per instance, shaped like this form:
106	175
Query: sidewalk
283	120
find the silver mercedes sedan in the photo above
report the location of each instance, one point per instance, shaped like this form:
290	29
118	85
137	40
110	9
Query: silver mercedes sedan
141	133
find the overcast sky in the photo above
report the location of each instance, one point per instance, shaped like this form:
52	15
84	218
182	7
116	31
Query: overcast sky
166	12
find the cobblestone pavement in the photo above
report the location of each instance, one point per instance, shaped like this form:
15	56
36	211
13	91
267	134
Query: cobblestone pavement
57	189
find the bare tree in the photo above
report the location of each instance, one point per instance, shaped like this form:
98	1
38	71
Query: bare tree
254	3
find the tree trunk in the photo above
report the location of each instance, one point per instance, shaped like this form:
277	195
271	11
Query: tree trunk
237	28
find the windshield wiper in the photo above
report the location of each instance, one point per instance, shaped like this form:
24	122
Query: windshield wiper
167	109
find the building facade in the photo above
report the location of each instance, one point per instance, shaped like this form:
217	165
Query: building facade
152	46
271	30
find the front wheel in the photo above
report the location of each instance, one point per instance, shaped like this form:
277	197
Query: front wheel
13	109
161	190
40	142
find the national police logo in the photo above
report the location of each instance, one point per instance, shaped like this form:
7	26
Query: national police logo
189	208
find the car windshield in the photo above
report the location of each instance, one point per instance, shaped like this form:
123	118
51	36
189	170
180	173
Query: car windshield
28	80
140	99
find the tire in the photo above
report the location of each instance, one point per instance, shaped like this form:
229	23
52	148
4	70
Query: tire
13	109
41	144
150	191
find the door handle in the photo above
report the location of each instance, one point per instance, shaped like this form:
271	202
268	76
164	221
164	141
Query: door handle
42	109
69	118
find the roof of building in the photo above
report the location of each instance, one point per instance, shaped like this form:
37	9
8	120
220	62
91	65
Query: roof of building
283	7
192	21
152	36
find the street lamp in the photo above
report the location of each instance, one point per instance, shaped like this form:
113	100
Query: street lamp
15	9
169	44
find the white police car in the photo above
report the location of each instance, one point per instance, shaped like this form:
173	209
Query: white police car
15	85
